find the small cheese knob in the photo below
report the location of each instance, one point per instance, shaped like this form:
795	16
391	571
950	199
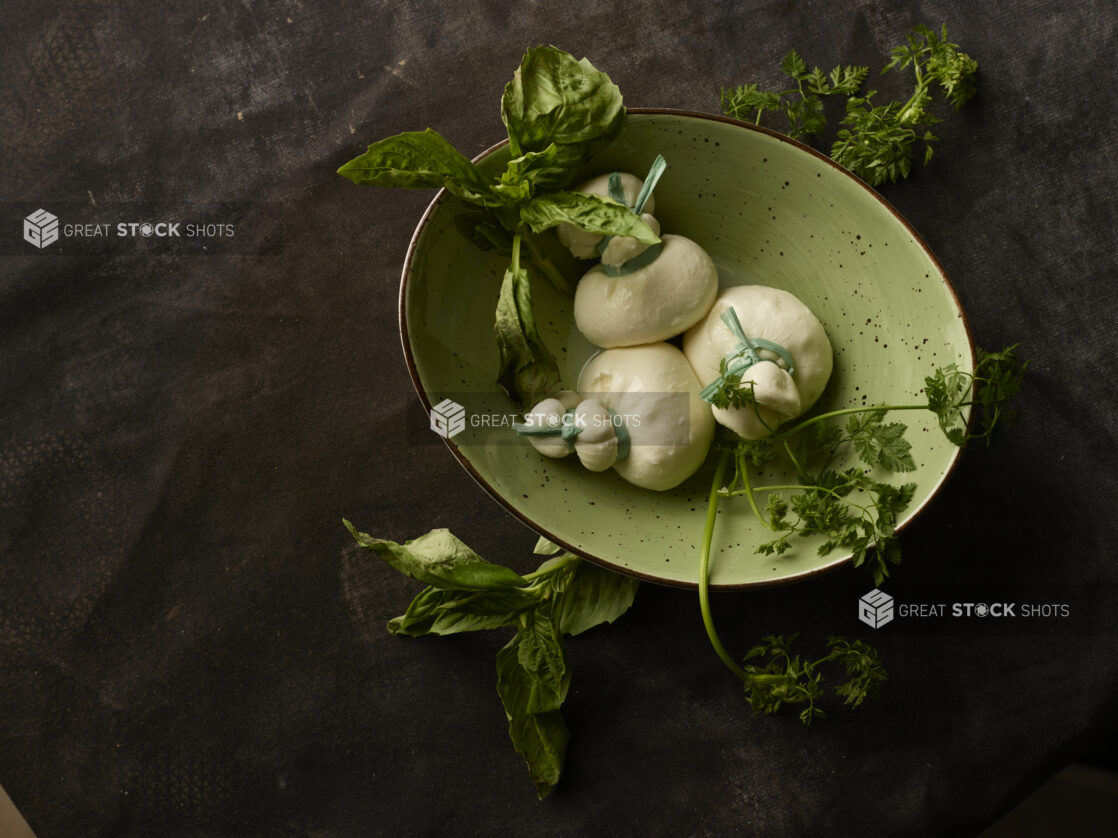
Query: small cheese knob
596	443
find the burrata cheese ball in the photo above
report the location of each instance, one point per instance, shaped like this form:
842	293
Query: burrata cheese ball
652	303
775	315
653	389
584	245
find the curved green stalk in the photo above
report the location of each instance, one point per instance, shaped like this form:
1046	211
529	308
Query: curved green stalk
516	239
823	417
704	567
747	487
793	487
792	456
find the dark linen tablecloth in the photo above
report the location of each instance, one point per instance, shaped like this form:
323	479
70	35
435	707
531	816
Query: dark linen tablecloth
190	643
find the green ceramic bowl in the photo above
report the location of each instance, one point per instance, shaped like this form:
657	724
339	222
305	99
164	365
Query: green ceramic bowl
769	211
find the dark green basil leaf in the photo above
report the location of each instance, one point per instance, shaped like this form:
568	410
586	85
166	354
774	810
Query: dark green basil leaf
541	738
594	596
550	168
540	654
489	236
483	230
588	212
440	611
441	560
421	160
513	192
528	371
554	98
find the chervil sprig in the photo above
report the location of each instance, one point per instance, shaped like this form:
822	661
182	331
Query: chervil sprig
877	142
996	381
801	104
852	508
731	392
787	679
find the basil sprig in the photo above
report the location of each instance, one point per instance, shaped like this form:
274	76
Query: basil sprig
564	596
558	112
554	100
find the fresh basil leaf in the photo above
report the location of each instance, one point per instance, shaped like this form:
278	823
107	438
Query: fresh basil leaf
490	236
483	230
421	160
513	192
546	547
550	168
541	738
594	596
495	603
440	611
441	560
528	371
540	653
554	98
592	213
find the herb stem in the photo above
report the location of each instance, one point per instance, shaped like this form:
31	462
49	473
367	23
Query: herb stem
794	487
909	111
704	568
791	456
546	267
516	253
823	417
549	568
743	470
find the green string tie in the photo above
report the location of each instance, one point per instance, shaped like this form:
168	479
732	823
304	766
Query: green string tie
743	356
566	429
649	254
622	432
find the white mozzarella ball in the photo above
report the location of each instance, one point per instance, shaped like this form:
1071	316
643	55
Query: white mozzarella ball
656	394
778	316
651	304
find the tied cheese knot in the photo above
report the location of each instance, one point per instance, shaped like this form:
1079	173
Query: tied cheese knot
743	356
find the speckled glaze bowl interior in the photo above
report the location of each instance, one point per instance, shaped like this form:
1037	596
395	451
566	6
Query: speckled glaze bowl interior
769	211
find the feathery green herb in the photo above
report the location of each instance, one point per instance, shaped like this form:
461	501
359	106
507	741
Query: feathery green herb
851	508
731	392
876	142
801	104
787	679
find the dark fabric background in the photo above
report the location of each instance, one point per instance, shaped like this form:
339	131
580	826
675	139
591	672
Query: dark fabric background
190	644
